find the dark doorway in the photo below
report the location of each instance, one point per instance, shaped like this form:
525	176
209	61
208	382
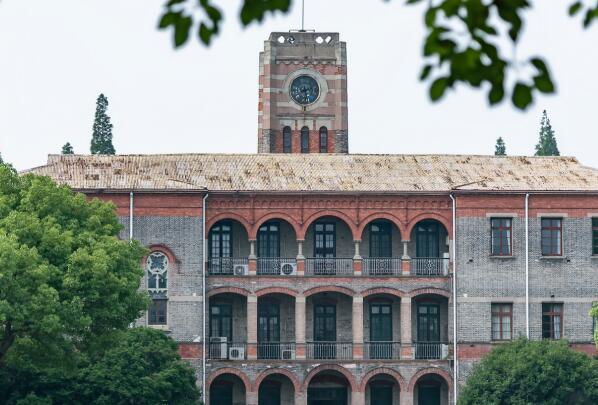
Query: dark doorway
428	239
269	393
221	394
327	396
381	393
428	322
268	332
428	395
380	330
325	331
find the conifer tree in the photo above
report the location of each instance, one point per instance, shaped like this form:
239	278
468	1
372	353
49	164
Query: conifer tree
547	143
67	149
500	149
101	141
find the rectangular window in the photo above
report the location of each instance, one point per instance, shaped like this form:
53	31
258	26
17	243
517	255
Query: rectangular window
502	321
552	234
501	231
552	321
157	312
595	236
380	239
221	321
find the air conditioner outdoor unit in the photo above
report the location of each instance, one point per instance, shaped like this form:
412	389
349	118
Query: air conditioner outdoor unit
444	351
241	269
218	347
236	353
288	354
288	268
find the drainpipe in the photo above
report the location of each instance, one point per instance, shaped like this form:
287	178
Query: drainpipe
203	301
131	216
527	265
456	358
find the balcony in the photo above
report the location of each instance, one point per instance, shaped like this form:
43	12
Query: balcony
382	266
328	267
276	350
431	350
276	266
382	350
220	349
228	266
430	266
329	350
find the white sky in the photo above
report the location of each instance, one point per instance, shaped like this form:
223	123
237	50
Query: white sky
57	56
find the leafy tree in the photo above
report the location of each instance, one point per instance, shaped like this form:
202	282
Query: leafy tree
67	281
67	149
101	141
547	144
459	46
1	161
532	372
500	148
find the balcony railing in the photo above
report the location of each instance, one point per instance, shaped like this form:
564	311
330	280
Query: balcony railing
329	350
276	350
228	266
382	266
431	350
276	266
382	350
429	266
330	266
219	350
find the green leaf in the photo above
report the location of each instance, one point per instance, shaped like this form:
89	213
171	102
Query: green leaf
540	65
574	8
522	96
544	84
496	94
425	72
430	16
181	30
168	18
438	88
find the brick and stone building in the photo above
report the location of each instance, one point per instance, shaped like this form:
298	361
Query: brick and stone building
306	275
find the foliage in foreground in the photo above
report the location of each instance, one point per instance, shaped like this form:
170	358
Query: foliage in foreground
533	372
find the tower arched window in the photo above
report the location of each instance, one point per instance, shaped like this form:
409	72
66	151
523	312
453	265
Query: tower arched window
286	140
157	286
305	140
323	140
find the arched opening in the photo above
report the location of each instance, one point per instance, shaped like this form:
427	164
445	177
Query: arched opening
227	327
276	248
382	327
305	140
382	389
429	248
228	248
328	248
323	140
430	319
328	324
431	389
227	389
381	248
287	140
276	389
276	327
329	387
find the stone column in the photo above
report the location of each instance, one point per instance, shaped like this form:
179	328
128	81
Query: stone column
406	337
357	324
357	398
301	398
405	259
300	327
252	258
300	258
357	260
406	398
251	398
252	327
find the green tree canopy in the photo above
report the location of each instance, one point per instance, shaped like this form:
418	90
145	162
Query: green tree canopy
500	149
101	140
547	143
67	149
532	372
67	280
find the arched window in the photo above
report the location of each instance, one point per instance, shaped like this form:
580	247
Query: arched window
157	286
286	139
304	140
323	140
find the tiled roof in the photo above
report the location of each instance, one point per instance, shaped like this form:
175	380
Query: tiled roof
320	172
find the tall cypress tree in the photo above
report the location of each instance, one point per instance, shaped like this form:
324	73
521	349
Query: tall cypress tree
67	149
547	143
500	149
101	141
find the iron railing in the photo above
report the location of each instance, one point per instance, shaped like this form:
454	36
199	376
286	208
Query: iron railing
276	266
276	350
228	266
431	350
226	350
329	350
329	266
382	350
381	266
429	266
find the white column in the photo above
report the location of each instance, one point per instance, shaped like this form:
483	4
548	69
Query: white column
357	255
300	250
252	250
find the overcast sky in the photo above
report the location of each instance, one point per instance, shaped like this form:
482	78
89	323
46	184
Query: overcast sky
57	56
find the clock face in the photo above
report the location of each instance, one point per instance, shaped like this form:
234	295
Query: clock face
304	90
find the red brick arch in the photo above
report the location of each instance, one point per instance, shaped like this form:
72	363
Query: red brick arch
431	370
228	370
229	290
427	215
430	290
276	290
329	288
228	215
381	215
330	213
383	370
275	215
327	367
158	247
383	290
282	371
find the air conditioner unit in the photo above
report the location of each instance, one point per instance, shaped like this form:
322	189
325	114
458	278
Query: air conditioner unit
444	351
288	354
218	347
236	353
241	269
288	268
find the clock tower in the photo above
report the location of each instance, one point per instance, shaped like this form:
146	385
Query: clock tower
303	94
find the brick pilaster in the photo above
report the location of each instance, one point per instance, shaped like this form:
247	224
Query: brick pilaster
357	324
406	336
300	327
252	327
